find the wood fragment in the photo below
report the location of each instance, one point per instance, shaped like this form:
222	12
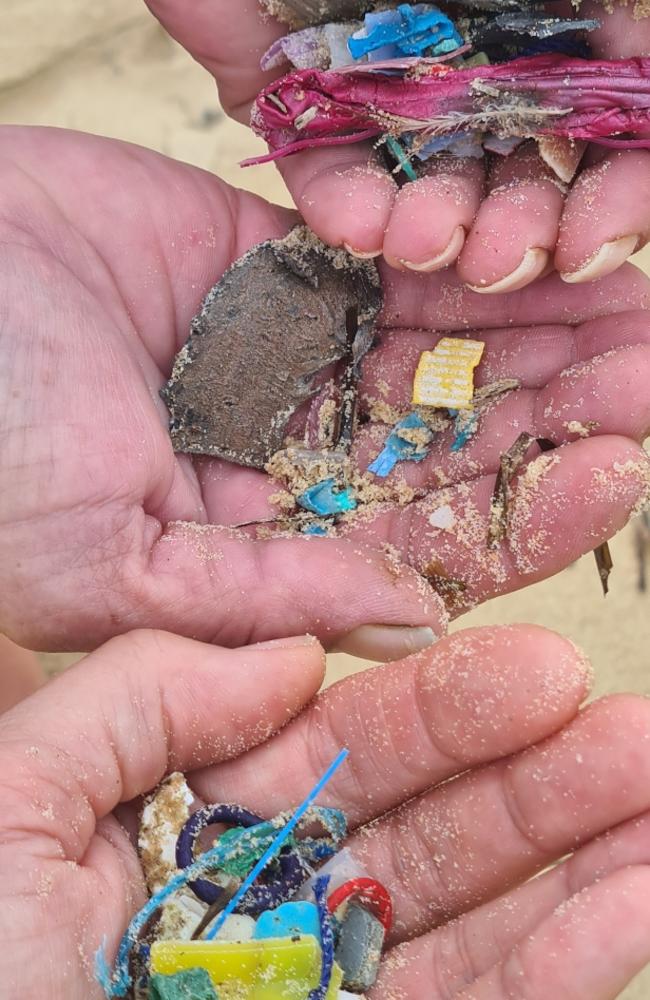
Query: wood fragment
605	564
275	320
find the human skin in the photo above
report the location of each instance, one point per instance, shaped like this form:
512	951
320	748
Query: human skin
504	228
106	251
456	855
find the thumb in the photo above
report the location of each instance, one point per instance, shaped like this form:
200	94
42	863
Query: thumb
144	704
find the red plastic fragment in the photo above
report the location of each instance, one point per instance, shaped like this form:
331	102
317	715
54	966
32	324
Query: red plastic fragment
365	890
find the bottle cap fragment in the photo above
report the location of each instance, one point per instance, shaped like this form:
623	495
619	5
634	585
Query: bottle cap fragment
445	376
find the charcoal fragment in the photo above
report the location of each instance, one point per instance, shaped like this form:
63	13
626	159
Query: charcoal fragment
276	319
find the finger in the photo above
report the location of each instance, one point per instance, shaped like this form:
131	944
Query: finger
473	697
165	703
230	48
581	493
532	355
581	401
468	947
465	842
587	950
607	217
432	216
440	301
343	195
514	234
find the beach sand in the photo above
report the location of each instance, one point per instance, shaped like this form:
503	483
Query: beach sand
110	69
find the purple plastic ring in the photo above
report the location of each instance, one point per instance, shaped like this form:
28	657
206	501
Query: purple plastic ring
264	895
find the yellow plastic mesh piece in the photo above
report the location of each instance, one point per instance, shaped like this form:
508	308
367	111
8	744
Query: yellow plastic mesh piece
445	376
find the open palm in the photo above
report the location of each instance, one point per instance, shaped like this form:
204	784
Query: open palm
533	781
106	251
504	228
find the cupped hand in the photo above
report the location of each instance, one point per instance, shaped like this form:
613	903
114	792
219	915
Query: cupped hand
496	710
106	253
504	227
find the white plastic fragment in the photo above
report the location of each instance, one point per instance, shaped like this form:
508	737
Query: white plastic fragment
341	868
443	518
163	817
238	927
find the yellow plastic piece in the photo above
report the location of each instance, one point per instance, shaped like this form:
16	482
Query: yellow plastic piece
265	969
445	376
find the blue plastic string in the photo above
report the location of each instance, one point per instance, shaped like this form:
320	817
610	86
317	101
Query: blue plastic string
327	939
276	846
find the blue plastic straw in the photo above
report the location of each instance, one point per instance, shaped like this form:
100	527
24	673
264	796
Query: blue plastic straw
275	847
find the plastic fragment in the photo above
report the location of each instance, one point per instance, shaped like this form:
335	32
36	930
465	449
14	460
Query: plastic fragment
410	30
359	949
445	376
288	920
401	156
342	868
238	927
193	984
322	47
442	518
597	100
368	891
315	529
327	979
465	426
325	499
399	447
285	968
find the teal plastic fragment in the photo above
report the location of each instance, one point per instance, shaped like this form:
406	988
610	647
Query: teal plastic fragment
411	30
314	529
325	499
401	156
465	426
399	449
194	984
289	920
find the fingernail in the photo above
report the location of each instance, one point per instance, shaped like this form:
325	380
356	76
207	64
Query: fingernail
604	261
533	263
362	254
385	642
448	255
290	642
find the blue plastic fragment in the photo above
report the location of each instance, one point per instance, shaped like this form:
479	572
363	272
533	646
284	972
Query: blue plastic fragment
314	529
398	449
289	920
465	426
325	499
411	30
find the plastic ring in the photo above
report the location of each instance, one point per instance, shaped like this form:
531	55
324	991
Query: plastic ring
260	897
366	890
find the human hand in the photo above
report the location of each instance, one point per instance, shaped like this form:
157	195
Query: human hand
107	250
455	855
504	229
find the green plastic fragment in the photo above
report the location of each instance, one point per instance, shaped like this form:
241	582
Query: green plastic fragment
241	862
401	156
193	984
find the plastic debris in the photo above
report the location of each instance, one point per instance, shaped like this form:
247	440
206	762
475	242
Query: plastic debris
237	927
465	427
193	984
401	157
289	920
358	952
445	376
442	518
605	565
511	462
315	529
602	101
410	30
240	376
402	446
325	498
342	868
369	892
